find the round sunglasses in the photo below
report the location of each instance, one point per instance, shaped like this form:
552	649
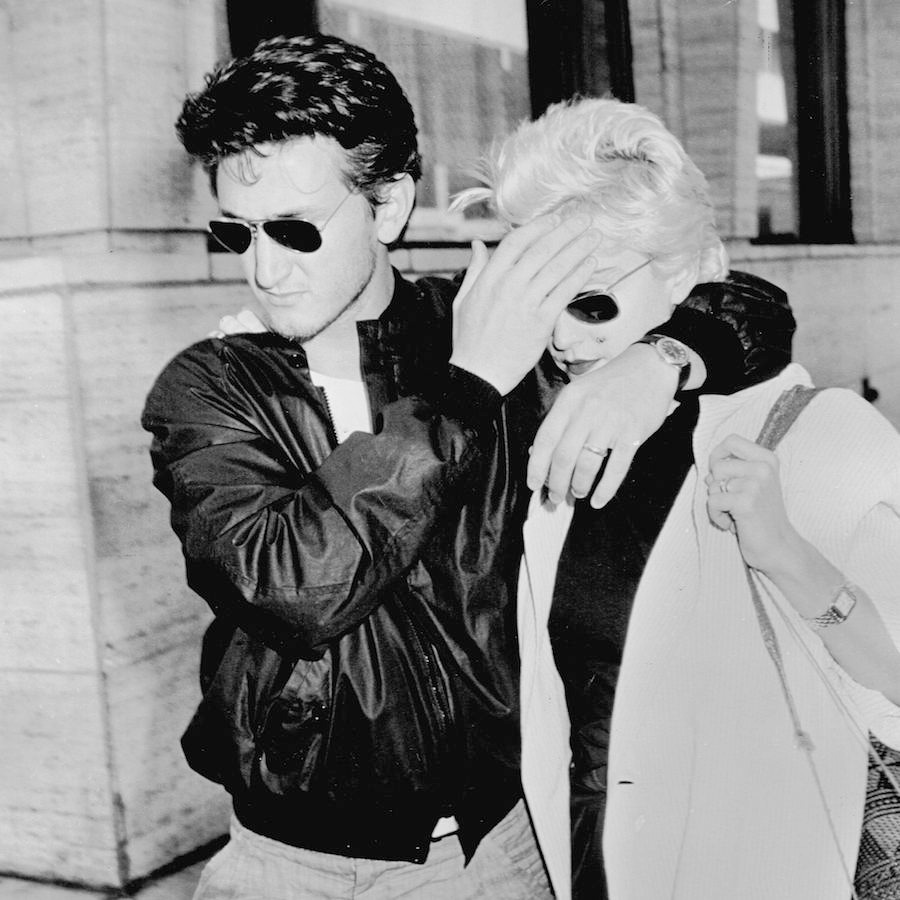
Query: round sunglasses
297	234
594	307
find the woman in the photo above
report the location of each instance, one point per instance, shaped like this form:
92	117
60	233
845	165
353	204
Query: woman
696	764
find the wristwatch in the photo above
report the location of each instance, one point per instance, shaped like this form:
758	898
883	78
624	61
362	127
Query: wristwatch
839	609
672	352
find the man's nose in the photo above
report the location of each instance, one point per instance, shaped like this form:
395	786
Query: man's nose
271	261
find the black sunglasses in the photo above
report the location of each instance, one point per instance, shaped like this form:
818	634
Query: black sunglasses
594	307
236	235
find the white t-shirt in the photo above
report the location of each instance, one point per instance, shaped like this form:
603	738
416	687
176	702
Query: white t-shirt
348	403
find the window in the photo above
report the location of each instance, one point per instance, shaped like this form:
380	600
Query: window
776	157
768	77
823	183
581	47
464	67
802	163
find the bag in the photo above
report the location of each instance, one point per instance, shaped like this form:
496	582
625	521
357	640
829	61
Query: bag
878	864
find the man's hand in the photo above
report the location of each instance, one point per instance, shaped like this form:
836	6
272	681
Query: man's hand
506	308
614	408
246	321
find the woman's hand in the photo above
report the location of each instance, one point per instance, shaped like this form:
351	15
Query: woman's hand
745	497
246	321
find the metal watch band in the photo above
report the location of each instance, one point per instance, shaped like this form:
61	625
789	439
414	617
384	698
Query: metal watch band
838	610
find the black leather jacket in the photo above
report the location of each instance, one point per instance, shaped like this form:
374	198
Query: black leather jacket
359	680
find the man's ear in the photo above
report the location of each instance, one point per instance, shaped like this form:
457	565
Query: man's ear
392	213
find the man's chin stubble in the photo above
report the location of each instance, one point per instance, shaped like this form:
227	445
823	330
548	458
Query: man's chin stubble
303	337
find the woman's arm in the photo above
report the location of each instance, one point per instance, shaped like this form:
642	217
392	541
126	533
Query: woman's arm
737	332
746	496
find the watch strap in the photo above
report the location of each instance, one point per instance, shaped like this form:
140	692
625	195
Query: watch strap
684	368
838	610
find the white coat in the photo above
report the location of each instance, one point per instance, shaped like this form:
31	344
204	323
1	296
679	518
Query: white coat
709	795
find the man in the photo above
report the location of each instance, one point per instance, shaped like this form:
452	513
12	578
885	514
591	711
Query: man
349	503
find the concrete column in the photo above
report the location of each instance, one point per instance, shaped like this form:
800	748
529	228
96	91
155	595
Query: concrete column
99	637
873	88
89	91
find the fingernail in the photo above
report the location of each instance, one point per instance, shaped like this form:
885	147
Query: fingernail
577	494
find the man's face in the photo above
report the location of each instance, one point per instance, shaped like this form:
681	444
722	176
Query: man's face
302	294
644	298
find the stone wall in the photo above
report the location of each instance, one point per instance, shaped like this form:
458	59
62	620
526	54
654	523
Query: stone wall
89	92
873	63
100	636
704	88
848	317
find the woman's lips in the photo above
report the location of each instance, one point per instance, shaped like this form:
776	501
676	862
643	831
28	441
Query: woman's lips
579	366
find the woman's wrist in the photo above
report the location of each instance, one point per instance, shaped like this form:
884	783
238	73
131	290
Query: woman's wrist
805	577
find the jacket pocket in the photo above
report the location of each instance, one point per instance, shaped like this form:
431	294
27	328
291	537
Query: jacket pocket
292	739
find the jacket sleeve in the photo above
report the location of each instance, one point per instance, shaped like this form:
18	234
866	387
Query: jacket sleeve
741	328
293	541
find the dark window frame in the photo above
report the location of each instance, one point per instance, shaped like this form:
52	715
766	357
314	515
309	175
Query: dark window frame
250	21
578	47
823	139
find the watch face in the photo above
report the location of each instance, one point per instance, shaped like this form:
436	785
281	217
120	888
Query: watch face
673	352
843	604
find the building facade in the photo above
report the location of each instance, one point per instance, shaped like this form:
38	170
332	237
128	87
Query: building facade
106	272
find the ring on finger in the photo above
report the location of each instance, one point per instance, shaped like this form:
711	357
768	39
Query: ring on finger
599	451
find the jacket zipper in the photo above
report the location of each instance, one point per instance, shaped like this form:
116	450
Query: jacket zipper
438	689
329	416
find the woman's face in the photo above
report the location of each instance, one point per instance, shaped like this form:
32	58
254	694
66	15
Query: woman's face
644	299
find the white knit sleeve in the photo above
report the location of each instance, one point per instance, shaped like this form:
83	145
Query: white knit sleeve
850	494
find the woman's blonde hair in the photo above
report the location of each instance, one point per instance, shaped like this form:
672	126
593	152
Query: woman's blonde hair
616	161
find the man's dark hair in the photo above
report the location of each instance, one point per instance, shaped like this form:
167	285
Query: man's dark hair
291	87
